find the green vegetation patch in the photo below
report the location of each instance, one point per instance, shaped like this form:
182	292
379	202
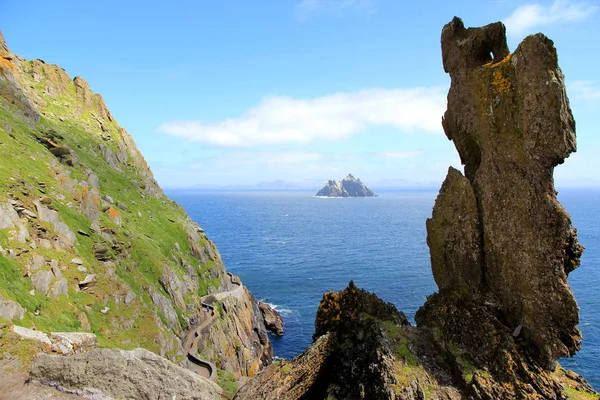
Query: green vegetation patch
227	382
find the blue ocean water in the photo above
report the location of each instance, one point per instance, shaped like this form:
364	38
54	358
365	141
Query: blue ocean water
291	247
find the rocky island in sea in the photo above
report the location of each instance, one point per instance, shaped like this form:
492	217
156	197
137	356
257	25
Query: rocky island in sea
347	187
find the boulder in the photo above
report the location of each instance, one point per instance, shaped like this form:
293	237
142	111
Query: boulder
114	215
51	216
68	343
31	334
135	374
59	288
41	281
8	216
11	309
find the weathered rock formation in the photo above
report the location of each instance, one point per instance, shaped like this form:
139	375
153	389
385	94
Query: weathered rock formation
501	245
112	373
273	319
500	231
364	349
501	249
347	187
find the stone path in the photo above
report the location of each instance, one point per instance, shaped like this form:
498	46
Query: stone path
190	346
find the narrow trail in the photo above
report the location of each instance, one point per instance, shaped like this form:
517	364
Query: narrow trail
202	367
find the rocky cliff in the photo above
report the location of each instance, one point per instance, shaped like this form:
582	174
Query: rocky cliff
347	187
501	249
88	240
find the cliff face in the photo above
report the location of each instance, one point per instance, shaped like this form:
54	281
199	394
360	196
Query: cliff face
88	240
501	249
347	187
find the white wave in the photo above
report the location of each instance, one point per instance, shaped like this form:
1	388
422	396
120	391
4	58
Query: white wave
280	309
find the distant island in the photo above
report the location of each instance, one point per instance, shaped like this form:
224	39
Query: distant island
347	187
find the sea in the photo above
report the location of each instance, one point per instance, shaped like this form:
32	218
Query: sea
290	247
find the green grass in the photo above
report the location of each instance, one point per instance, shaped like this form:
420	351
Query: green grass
147	242
574	394
227	383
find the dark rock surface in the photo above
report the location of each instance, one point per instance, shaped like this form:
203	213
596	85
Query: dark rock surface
347	187
273	319
510	121
289	380
501	244
364	349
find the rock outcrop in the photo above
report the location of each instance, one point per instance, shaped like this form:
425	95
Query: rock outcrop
364	349
273	319
501	249
113	373
347	187
501	244
509	118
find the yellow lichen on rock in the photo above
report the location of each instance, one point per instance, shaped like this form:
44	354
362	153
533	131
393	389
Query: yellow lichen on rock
500	82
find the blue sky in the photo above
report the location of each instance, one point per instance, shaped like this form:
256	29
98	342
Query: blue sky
242	92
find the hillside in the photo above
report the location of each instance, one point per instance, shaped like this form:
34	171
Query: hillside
89	241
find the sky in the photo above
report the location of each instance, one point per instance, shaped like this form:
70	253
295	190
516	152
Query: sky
239	92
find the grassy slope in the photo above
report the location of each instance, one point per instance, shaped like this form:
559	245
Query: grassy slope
149	239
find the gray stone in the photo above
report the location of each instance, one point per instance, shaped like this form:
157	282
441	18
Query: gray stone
11	309
41	281
145	375
77	261
29	214
134	374
92	178
68	343
37	262
60	288
166	307
107	198
173	285
31	334
8	216
129	297
87	282
51	216
9	219
56	271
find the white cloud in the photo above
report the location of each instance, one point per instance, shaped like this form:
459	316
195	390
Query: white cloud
308	8
585	90
529	16
280	120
